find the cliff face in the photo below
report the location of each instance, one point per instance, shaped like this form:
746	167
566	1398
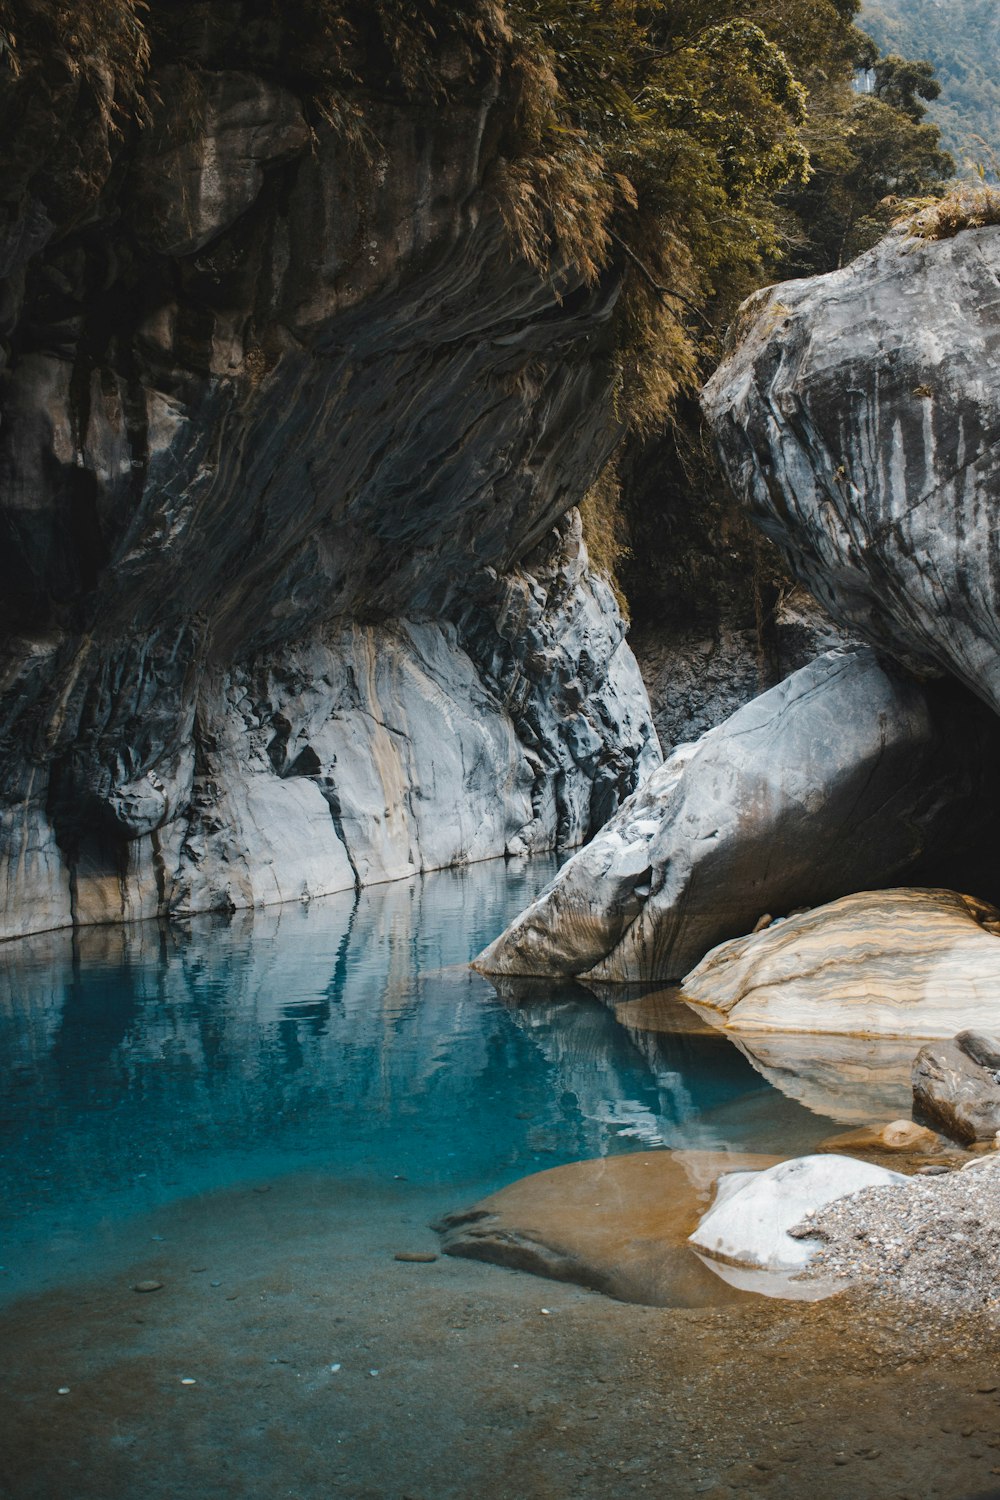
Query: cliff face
287	600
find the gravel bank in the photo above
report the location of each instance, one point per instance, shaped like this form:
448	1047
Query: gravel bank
935	1241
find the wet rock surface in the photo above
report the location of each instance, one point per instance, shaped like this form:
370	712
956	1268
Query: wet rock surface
858	415
839	778
850	1079
896	963
477	1391
618	1225
903	1136
956	1087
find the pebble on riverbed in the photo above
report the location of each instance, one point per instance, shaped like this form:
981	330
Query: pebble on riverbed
933	1240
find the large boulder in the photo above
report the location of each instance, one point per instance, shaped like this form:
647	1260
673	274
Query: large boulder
956	1086
894	963
859	413
842	777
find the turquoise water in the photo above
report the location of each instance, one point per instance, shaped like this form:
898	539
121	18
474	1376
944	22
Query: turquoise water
143	1065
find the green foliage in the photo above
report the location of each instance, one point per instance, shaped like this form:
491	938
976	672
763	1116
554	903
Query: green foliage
961	38
656	134
867	155
903	82
605	529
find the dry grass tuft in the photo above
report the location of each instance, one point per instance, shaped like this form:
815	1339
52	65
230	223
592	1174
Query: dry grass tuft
967	206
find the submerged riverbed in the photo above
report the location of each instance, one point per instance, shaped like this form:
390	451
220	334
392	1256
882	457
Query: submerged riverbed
348	1040
259	1113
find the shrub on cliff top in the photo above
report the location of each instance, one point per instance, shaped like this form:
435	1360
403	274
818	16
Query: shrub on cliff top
965	207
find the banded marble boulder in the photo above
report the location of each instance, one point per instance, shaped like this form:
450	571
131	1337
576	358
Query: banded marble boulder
893	963
846	775
858	414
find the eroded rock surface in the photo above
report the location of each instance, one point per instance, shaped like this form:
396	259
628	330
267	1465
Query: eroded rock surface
894	963
619	1225
859	415
956	1086
843	776
287	596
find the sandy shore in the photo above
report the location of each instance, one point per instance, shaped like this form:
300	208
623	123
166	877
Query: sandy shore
478	1391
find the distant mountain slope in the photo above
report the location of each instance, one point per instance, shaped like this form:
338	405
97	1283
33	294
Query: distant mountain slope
962	39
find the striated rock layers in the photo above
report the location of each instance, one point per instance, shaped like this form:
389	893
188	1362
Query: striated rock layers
859	415
842	776
287	597
896	963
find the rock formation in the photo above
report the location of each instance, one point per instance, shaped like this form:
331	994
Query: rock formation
287	599
618	1224
895	963
859	414
840	777
749	1222
956	1086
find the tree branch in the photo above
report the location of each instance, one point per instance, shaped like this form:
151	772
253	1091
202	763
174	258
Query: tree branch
650	279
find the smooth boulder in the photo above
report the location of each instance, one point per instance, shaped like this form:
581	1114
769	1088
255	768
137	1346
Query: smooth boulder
894	963
858	414
749	1222
618	1225
956	1086
846	775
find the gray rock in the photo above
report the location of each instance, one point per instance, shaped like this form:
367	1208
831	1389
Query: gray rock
858	413
749	1222
197	172
836	780
288	596
956	1086
698	678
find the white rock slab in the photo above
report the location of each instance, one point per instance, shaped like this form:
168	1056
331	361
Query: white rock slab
753	1211
832	781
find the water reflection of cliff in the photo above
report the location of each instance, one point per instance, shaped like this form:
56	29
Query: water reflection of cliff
688	1068
349	1035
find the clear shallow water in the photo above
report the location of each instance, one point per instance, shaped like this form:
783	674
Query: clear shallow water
144	1065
